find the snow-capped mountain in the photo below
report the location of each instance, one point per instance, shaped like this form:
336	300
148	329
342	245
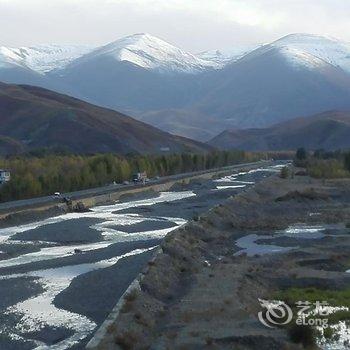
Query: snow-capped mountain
8	58
152	53
297	75
42	58
300	74
299	49
243	86
313	49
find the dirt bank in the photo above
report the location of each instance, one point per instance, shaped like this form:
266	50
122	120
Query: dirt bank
201	292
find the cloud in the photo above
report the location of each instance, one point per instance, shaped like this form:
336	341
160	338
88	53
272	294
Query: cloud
194	25
236	11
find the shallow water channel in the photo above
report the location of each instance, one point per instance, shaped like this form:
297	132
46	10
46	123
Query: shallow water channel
61	276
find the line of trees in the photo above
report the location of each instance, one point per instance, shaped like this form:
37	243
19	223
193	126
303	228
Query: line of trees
33	176
324	164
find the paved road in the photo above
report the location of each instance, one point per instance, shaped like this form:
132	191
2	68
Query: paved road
11	206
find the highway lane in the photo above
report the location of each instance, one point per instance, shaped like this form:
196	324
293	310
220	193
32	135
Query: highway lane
12	206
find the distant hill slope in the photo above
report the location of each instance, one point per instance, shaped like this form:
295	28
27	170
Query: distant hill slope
196	96
297	75
329	130
33	117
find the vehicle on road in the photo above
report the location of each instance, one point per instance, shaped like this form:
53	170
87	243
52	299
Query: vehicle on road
140	177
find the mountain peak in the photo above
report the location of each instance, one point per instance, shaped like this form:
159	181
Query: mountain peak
140	41
138	37
316	48
149	52
305	38
143	35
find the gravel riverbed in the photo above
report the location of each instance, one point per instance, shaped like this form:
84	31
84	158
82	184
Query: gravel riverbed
61	276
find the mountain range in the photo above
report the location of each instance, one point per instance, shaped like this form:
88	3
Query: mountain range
196	96
33	118
328	130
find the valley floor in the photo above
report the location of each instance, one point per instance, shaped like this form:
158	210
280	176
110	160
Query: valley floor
61	276
202	290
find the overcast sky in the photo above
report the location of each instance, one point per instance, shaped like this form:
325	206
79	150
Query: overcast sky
194	25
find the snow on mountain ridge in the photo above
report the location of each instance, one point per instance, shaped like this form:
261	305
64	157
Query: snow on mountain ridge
42	58
8	58
152	53
149	52
300	58
223	57
327	49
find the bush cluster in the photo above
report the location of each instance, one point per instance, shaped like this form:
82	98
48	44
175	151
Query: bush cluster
324	164
35	175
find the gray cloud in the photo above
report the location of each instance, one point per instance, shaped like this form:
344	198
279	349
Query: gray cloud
194	25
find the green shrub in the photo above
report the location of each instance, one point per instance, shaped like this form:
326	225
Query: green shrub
300	158
284	174
307	335
333	297
327	169
301	154
328	333
347	161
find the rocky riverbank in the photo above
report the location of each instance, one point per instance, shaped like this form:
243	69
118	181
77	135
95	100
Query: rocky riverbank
202	290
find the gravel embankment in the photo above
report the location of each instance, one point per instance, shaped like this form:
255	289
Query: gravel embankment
198	294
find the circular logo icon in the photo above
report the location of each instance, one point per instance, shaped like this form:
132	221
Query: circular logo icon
276	313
